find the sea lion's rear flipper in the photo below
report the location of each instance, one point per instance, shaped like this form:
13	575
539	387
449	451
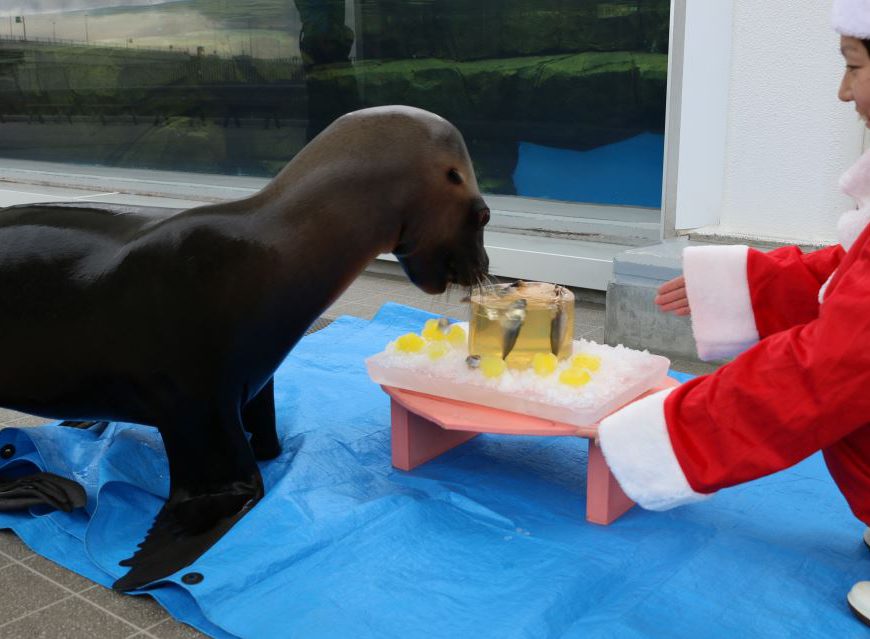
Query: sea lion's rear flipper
41	489
214	483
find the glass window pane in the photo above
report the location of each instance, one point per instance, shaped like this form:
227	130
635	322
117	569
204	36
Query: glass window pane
557	99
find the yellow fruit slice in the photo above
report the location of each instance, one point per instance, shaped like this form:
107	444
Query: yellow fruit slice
410	343
544	363
589	362
576	377
457	336
492	366
432	331
437	350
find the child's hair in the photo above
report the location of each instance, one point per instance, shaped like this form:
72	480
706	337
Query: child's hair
866	45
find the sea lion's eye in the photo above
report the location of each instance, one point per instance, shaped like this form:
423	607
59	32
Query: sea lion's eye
454	176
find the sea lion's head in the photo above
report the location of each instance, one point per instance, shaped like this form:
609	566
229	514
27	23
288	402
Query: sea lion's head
409	172
442	242
441	236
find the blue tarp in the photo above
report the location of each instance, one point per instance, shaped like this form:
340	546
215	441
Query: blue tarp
489	540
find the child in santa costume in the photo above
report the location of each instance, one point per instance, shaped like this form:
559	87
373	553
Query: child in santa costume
801	383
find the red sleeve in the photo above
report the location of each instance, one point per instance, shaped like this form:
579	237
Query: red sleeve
784	285
792	394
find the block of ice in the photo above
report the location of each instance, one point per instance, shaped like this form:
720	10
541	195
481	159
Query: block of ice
624	374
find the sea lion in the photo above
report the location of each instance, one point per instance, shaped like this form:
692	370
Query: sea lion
179	321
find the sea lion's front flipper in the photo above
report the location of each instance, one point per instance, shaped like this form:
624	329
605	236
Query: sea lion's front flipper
41	489
214	482
258	417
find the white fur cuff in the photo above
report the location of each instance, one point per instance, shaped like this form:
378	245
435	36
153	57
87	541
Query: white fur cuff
718	290
638	450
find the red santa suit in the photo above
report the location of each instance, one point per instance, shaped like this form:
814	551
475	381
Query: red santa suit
801	383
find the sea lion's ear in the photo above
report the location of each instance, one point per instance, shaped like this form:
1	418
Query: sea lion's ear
454	176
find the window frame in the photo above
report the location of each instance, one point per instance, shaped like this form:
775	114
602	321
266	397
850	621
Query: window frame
574	243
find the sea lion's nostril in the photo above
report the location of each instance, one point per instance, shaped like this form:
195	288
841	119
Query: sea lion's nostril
484	217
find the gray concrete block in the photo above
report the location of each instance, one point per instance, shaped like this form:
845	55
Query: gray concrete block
651	265
633	319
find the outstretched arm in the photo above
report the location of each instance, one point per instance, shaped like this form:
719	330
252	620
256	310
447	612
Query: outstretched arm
737	295
794	393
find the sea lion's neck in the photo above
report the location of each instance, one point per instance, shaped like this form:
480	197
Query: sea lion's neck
357	205
326	225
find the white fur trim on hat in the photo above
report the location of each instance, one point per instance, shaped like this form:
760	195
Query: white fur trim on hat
852	18
718	290
638	451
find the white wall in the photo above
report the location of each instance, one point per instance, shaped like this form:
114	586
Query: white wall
702	123
789	138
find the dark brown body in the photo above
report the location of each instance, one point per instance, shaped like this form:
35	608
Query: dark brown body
179	320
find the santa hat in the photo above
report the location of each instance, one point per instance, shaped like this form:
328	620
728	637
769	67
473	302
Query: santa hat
852	18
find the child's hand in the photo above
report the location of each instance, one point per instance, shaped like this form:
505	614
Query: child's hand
672	297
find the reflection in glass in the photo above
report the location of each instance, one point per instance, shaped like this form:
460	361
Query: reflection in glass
557	99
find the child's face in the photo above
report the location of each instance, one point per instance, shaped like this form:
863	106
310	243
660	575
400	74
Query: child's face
855	86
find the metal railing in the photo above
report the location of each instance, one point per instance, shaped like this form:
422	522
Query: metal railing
170	50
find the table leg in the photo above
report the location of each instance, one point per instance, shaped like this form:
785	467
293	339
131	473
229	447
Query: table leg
605	501
416	440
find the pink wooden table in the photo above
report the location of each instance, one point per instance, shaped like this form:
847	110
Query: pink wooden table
424	426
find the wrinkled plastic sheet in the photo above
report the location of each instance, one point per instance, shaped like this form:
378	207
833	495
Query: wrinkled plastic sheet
488	540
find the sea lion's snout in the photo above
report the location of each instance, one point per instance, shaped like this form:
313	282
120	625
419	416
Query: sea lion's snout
469	265
441	239
457	258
